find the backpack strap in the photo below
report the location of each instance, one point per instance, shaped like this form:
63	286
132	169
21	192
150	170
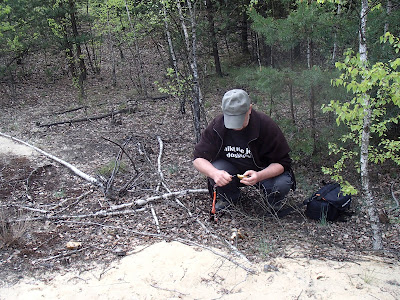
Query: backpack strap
320	195
322	192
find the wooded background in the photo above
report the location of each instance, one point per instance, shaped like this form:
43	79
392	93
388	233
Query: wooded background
324	70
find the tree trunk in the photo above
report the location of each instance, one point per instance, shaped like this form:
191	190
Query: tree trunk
214	43
244	42
311	97
69	53
170	44
312	118
139	62
388	12
198	98
79	56
258	55
291	101
365	137
335	37
110	40
191	50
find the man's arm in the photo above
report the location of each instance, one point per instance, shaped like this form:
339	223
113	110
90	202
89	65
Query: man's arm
220	177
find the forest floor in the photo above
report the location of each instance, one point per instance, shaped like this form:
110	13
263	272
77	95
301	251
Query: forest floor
168	247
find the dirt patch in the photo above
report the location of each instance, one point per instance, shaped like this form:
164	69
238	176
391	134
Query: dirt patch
8	147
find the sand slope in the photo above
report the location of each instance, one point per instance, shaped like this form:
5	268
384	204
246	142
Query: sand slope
177	271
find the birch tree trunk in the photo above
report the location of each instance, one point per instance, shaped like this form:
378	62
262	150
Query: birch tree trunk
192	51
365	137
335	36
311	96
388	12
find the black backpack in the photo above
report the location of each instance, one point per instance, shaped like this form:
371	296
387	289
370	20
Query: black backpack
327	203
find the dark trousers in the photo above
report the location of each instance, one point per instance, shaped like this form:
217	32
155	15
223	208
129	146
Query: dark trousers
275	189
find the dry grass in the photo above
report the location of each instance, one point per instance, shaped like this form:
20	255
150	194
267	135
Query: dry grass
11	232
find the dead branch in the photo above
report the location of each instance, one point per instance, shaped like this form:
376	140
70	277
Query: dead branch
93	118
160	142
100	214
29	177
65	254
168	290
108	191
192	243
31	208
153	212
123	150
142	202
72	204
75	170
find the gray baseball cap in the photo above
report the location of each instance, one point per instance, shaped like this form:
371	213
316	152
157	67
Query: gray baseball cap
235	105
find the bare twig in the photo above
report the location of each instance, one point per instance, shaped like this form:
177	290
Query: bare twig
100	214
110	181
153	212
236	251
168	290
31	209
191	243
113	113
29	178
160	142
142	202
123	150
67	199
65	254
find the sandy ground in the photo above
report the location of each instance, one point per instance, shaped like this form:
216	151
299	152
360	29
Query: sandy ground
177	271
7	146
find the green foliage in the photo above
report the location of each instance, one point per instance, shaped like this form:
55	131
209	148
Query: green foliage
306	21
175	86
377	86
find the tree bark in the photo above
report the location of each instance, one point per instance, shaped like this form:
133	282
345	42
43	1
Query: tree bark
110	40
338	11
311	97
244	42
365	137
389	6
170	44
139	61
192	52
214	43
79	56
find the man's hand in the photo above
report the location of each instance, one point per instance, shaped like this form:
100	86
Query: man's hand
251	177
221	177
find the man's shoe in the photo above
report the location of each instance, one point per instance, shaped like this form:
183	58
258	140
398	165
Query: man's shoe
221	205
